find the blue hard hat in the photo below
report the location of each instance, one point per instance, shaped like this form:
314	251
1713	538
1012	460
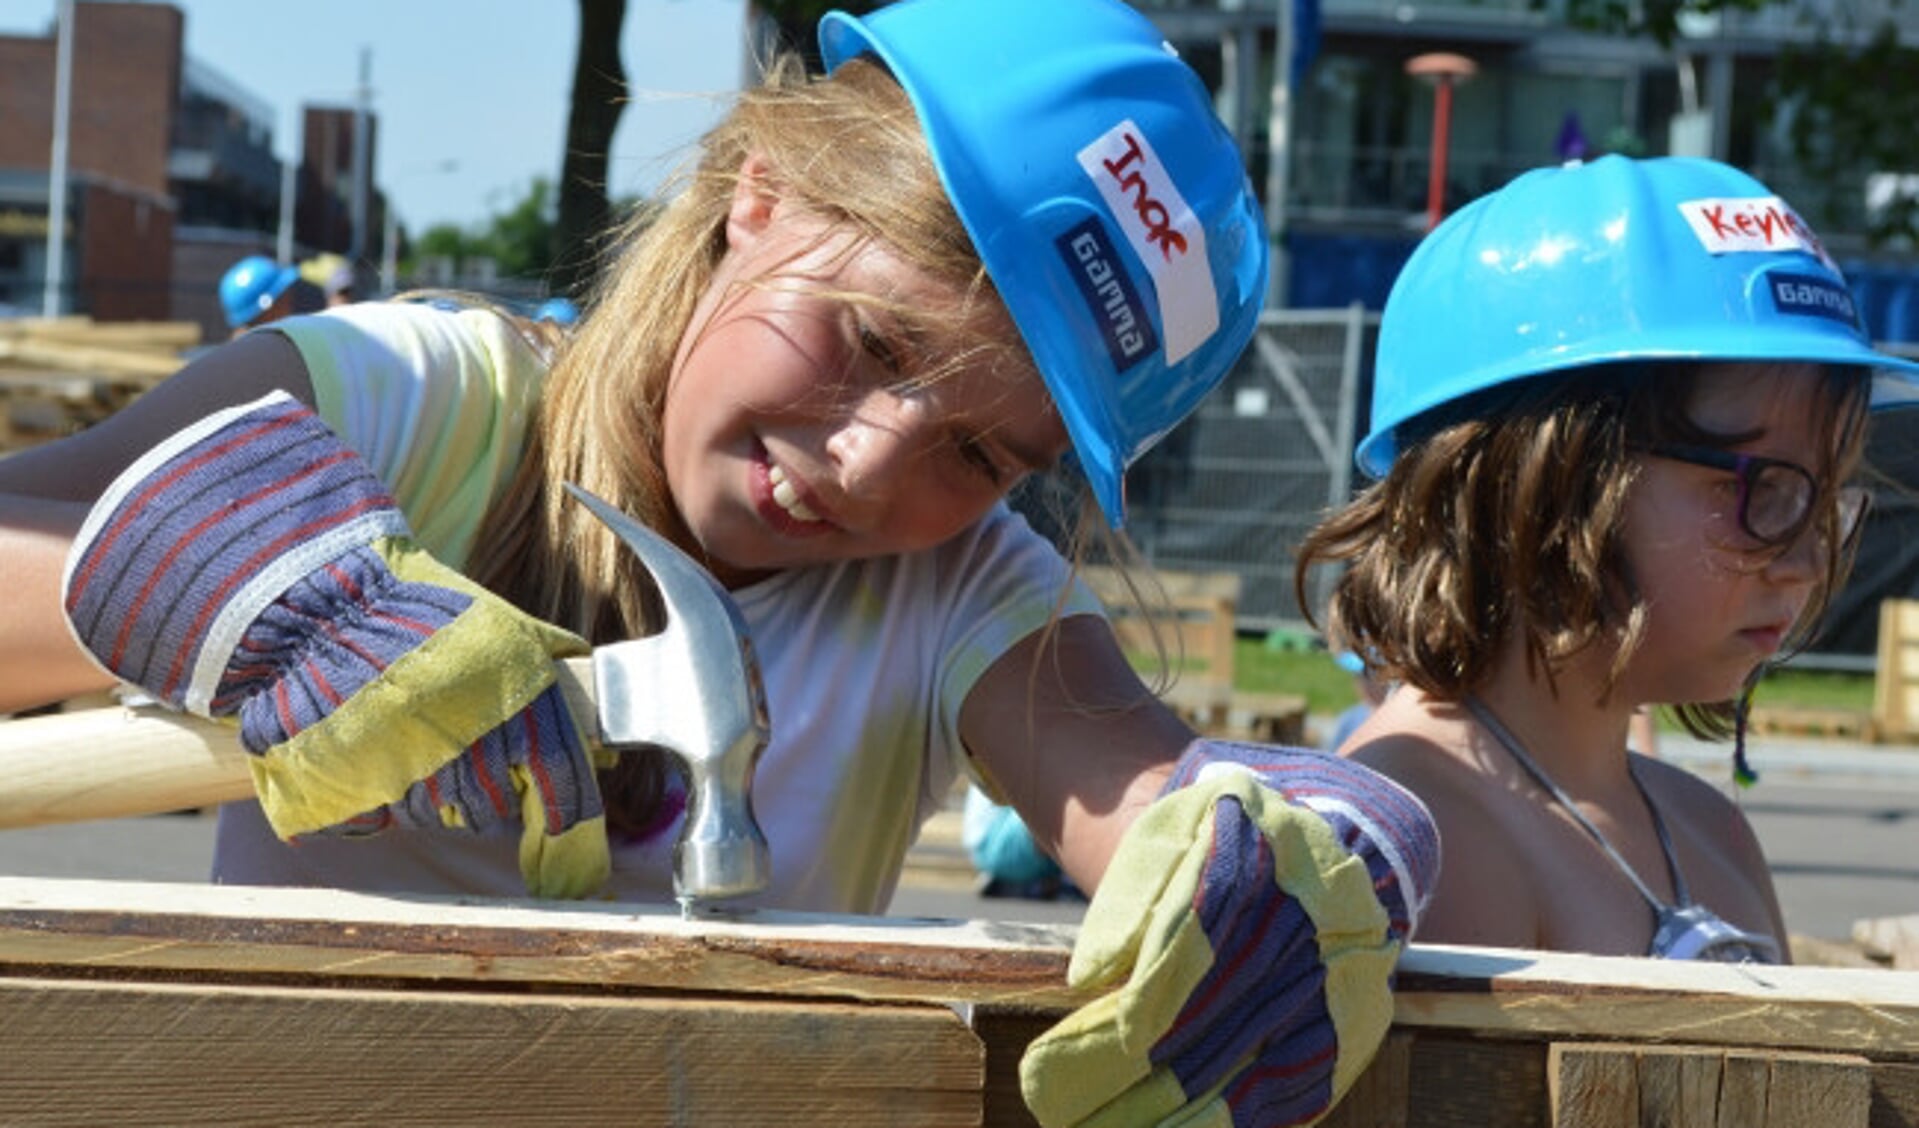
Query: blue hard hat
559	311
1106	200
251	286
1673	258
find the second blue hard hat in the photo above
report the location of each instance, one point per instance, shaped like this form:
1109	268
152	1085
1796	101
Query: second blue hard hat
251	286
1106	200
1616	260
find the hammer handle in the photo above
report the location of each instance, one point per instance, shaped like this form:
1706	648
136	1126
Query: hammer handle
118	762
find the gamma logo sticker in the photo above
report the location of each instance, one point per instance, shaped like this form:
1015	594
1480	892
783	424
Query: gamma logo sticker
1163	231
1094	262
1810	295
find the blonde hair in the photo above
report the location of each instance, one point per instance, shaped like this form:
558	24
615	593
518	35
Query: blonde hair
1508	515
845	148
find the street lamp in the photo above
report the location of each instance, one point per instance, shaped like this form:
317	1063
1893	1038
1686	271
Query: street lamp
1446	71
389	247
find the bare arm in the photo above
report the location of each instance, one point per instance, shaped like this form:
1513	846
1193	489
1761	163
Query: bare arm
45	493
1076	742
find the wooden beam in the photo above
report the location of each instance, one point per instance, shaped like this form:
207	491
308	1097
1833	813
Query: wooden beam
233	934
1710	1045
1566	996
161	1054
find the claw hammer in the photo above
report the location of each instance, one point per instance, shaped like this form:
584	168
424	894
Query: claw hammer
693	689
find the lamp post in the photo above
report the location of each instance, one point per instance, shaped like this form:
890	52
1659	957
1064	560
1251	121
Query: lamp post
390	244
1445	70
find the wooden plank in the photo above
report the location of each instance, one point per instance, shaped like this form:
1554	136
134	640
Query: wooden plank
1830	1090
138	365
1743	1079
1382	1096
159	1054
1460	1081
1679	1086
1592	1086
236	934
1895	685
1895	1095
158	336
1564	996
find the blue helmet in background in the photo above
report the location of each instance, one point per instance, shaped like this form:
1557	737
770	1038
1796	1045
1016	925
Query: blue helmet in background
1105	198
251	286
1673	258
559	311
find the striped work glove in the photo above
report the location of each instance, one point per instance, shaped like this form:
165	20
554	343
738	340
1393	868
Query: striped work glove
251	566
1248	927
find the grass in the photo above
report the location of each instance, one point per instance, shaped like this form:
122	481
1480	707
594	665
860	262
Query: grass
1328	689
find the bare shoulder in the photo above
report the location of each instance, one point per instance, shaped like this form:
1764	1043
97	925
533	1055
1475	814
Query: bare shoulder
1485	890
1690	803
1683	793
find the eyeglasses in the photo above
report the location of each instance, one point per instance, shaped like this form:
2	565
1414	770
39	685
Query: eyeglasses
1776	497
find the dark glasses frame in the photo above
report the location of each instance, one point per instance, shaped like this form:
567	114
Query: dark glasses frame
1853	501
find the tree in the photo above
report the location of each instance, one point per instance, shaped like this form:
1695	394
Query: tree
1849	96
520	240
599	95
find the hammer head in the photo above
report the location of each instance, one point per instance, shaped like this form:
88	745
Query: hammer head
694	690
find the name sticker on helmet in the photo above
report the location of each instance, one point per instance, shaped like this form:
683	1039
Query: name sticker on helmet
1163	231
1759	223
1094	263
1807	294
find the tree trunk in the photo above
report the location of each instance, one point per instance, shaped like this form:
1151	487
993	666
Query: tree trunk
599	92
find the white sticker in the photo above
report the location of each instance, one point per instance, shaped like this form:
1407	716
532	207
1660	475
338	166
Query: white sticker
1759	223
1163	230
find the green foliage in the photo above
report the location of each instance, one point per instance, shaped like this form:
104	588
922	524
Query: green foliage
1658	20
519	240
1849	96
1854	109
1814	690
1259	668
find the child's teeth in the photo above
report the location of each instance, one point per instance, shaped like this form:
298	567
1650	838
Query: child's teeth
788	497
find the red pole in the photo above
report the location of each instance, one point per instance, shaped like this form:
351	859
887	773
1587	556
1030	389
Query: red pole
1442	136
1445	71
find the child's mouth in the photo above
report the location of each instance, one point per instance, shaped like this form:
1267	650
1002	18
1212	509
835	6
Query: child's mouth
787	497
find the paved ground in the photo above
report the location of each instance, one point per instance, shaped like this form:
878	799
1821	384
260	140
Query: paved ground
1839	822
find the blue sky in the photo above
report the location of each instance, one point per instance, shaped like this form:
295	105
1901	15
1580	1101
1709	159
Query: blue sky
483	83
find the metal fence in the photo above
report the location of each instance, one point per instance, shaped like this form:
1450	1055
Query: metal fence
1236	486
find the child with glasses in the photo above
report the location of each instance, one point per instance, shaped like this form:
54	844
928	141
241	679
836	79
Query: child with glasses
1617	410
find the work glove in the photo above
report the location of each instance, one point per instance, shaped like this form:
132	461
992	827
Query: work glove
252	567
1248	928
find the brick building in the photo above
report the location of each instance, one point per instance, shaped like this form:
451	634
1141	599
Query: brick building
120	212
171	172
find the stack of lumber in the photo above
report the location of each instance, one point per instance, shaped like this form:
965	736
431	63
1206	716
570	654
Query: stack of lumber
60	374
134	1004
1186	623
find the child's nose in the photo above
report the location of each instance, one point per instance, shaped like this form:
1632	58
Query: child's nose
1801	561
877	443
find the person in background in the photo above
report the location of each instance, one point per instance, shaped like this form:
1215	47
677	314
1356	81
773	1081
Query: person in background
1009	862
1370	692
333	275
994	237
1618	412
258	291
557	311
